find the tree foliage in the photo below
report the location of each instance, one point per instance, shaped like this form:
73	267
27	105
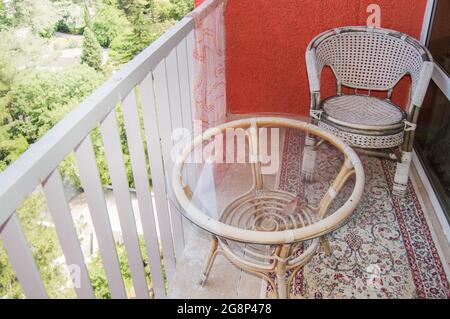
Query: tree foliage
128	45
40	16
19	53
71	18
150	19
92	51
5	20
39	99
20	50
173	9
109	22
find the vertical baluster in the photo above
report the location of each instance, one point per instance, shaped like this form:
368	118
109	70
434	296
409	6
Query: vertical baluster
173	88
68	238
176	117
184	83
157	171
186	105
114	158
90	180
138	163
165	127
20	257
190	46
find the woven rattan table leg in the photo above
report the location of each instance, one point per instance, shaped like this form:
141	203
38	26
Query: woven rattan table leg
282	286
325	245
210	261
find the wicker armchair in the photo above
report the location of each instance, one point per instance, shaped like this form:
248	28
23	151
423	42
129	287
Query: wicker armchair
369	59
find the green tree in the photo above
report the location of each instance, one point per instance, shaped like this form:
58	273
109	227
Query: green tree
10	146
108	23
40	16
92	51
70	14
36	102
20	51
133	7
180	8
18	54
87	17
149	19
172	10
5	19
126	46
39	99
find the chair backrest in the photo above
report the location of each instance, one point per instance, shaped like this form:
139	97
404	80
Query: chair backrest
369	58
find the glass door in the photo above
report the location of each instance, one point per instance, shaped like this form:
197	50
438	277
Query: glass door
433	130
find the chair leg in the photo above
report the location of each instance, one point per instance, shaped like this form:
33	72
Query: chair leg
210	261
325	245
401	175
309	158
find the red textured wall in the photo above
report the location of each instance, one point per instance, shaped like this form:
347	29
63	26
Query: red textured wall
266	42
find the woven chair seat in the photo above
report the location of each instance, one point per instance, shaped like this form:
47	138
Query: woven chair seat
387	140
361	111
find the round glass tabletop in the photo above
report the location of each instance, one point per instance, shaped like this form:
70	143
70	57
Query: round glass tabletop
266	180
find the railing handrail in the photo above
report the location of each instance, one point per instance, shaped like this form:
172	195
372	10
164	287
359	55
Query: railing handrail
38	162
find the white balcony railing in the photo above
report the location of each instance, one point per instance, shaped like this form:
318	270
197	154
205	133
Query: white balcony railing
162	74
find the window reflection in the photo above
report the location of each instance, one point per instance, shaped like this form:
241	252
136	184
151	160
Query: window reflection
433	142
439	42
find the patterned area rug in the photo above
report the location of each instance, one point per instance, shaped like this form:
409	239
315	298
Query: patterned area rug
386	249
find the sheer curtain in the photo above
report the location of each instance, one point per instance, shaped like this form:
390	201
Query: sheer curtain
209	83
209	87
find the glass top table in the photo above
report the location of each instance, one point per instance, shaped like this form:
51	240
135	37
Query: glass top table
268	190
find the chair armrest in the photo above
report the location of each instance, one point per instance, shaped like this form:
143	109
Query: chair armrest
313	72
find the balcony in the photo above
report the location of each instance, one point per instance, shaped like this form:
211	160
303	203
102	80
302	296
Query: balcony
155	92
